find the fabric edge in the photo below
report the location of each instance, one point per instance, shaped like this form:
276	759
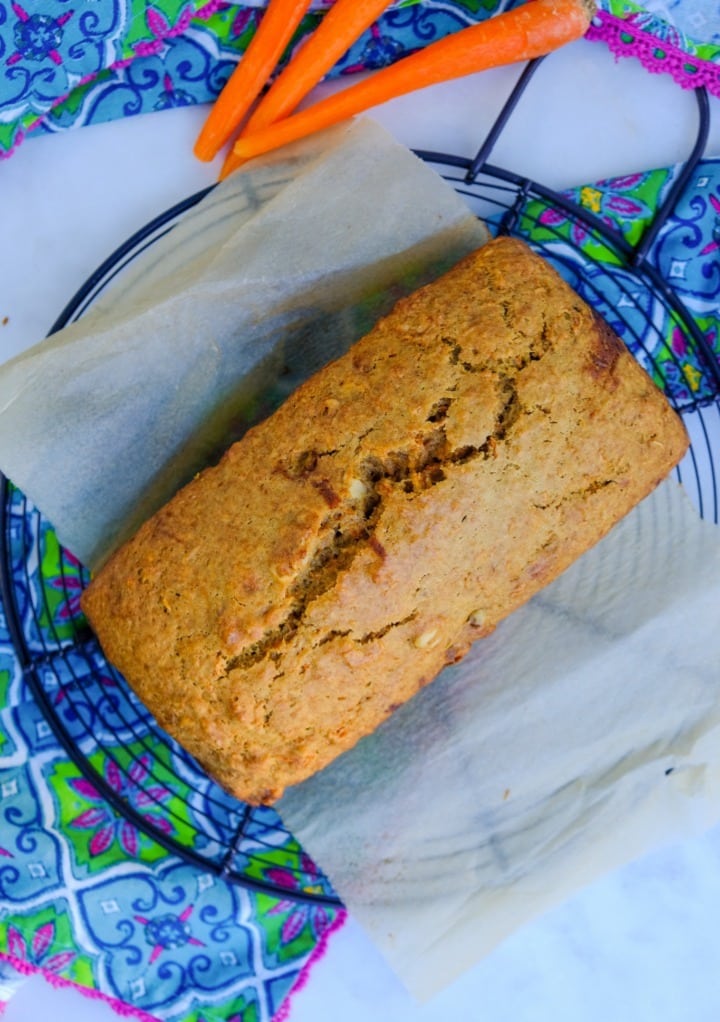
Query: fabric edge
658	56
318	952
120	1007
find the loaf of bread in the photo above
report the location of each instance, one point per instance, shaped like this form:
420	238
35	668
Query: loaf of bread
399	504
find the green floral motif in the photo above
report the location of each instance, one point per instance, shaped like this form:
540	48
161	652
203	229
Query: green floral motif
627	206
150	23
242	1009
224	24
289	926
59	614
100	837
45	940
626	203
675	369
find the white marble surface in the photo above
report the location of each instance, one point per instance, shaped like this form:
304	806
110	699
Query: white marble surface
642	944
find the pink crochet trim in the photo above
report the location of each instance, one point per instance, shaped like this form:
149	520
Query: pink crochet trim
210	8
316	954
626	39
126	1010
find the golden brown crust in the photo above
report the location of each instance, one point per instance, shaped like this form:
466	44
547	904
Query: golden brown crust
396	507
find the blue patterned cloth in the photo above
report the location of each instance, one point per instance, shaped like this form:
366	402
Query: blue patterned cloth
699	19
685	254
65	63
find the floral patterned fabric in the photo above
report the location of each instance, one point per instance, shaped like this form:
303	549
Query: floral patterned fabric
685	253
85	896
681	40
64	64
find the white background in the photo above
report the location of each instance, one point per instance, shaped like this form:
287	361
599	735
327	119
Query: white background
642	944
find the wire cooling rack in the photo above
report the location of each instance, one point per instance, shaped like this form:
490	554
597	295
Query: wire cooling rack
142	773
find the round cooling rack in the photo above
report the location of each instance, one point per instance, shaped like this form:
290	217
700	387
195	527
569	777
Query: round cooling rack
141	772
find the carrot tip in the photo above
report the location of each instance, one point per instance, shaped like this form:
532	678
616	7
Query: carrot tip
203	154
206	144
232	162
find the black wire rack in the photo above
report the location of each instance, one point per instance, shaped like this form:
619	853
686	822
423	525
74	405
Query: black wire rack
103	728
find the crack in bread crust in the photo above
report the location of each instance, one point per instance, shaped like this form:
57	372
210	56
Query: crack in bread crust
343	533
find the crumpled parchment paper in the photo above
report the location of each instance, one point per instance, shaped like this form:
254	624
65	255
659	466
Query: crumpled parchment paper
274	273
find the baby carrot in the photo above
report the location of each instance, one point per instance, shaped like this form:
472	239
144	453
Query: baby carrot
532	30
279	21
340	27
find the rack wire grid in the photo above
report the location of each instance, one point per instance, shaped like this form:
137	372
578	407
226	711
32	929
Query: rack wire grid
144	775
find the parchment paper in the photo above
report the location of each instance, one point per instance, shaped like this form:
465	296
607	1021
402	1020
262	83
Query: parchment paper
276	272
579	735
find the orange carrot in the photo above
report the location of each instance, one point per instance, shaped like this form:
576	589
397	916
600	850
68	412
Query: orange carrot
279	21
533	30
340	27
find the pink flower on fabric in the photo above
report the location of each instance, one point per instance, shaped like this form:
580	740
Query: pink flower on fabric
168	932
161	29
678	342
37	951
621	204
107	827
603	200
625	182
552	217
242	19
298	914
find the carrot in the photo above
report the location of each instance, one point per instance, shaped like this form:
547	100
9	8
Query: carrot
279	21
532	30
340	27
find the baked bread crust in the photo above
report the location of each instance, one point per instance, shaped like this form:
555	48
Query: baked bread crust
398	505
